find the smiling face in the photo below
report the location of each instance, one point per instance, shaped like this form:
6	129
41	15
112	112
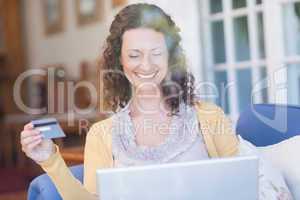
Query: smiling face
144	57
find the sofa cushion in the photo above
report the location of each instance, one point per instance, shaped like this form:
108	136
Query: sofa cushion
285	156
272	185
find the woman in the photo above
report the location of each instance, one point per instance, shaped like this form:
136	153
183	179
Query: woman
158	119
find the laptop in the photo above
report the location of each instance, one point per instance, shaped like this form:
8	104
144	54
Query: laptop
233	178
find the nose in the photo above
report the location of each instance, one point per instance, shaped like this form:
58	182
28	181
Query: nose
146	63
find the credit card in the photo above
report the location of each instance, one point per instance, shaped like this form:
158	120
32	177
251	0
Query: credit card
49	127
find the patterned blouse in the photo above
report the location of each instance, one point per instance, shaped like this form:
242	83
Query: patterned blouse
183	143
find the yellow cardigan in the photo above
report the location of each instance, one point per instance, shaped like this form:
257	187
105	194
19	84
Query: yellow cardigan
219	138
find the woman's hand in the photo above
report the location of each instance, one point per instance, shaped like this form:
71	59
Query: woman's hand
34	145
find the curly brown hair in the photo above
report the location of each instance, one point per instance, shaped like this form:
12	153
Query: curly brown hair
176	87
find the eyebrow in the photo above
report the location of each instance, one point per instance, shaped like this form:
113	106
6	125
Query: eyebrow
133	50
139	49
156	48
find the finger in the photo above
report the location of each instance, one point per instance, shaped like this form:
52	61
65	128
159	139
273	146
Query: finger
29	133
26	141
32	145
28	126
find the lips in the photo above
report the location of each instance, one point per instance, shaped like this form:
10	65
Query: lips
146	76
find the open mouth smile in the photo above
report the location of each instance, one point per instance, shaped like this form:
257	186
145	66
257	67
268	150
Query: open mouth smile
146	76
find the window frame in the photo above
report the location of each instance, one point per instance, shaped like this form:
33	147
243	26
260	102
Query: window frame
231	65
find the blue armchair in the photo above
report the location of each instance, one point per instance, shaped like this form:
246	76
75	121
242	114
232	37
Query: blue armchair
261	124
42	188
267	124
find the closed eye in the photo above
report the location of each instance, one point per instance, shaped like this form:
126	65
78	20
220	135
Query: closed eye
133	56
156	54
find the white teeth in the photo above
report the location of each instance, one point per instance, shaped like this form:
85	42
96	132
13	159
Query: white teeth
146	76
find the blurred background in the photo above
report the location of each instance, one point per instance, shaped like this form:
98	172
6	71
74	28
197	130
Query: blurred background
240	51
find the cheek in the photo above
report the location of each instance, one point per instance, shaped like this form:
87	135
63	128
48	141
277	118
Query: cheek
127	71
129	64
164	68
163	64
126	65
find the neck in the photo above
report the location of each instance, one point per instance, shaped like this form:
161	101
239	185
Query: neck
147	103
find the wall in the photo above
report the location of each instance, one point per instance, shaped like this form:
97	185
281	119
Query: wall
85	43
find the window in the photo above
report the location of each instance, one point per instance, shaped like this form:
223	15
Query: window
234	48
291	38
291	27
216	6
243	52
